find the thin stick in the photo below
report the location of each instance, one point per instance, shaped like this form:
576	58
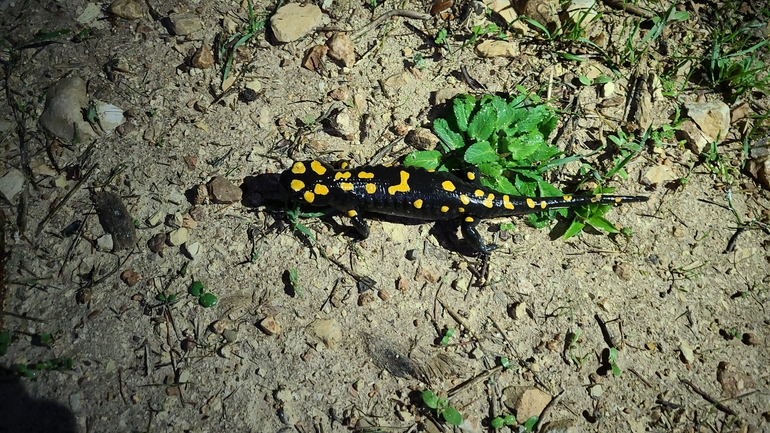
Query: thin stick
709	398
389	14
66	198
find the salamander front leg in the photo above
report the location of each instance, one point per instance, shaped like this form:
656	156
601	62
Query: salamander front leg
472	236
359	223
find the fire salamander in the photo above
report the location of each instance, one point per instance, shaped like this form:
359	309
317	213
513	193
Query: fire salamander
417	193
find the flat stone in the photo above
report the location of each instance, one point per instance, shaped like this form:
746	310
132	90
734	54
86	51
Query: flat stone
760	170
733	381
63	112
490	48
193	250
542	11
130	277
693	136
293	21
11	184
203	58
688	356
526	402
179	236
183	24
328	330
222	191
126	9
713	118
110	116
270	326
503	8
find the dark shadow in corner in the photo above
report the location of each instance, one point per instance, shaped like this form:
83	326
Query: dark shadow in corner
19	413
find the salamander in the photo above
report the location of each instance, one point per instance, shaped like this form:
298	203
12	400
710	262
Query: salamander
417	193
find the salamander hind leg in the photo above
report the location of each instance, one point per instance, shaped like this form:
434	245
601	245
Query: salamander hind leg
472	236
358	223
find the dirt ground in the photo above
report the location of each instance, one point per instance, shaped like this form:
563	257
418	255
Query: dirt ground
292	344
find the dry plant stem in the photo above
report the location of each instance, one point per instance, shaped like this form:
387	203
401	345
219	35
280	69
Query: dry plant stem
389	14
620	4
709	398
65	199
474	380
544	414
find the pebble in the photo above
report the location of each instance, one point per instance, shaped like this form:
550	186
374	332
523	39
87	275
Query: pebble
760	170
365	299
221	325
503	8
751	339
313	59
687	354
341	48
75	400
63	112
492	48
412	254
526	402
203	58
130	277
710	122
733	382
402	284
422	139
624	270
126	9
193	250
660	174
157	243
518	311
183	24
230	335
395	81
596	391
541	11
345	124
423	274
292	21
200	194
11	184
179	236
110	116
222	191
269	326
328	331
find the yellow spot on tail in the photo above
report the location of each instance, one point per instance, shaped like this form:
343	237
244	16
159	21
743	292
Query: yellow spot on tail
403	186
507	202
346	186
465	199
309	196
461	209
365	175
530	203
318	168
567	198
298	168
370	188
489	201
478	193
543	204
342	175
418	203
321	189
468	219
618	199
445	209
471	175
352	213
448	185
297	184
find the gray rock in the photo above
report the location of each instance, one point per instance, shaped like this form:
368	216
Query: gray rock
222	191
293	21
63	112
422	138
11	184
183	24
126	9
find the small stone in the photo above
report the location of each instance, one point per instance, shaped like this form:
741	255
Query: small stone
11	184
75	400
542	11
269	326
341	48
222	191
495	48
384	295
751	339
200	194
518	311
624	270
712	118
760	170
328	330
504	9
105	243
423	274
157	243
422	139
126	9
183	24
345	124
313	59
193	250
443	95
292	21
63	112
203	58
365	299
221	325
733	382
526	402
188	221
179	236
110	116
130	277
395	81
688	357
230	335
402	284
339	94
596	391
229	25
659	175
412	254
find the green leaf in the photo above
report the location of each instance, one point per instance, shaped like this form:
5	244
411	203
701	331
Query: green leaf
463	106
483	123
569	56
613	354
196	288
573	229
600	222
524	146
208	300
530	423
451	139
5	337
430	399
479	153
427	159
497	423
615	370
452	416
509	420
584	80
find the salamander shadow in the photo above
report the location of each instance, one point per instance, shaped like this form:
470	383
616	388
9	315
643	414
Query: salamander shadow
20	413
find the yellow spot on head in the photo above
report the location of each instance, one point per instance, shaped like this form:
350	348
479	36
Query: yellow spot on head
465	199
471	175
318	168
365	175
543	204
461	209
371	188
403	186
321	189
297	184
478	193
567	198
309	196
445	209
530	203
342	175
468	219
418	203
352	213
298	168
448	185
507	202
346	186
489	201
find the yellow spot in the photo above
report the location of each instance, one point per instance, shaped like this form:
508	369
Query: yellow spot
309	196
298	168
468	219
478	193
543	204
489	201
418	203
445	209
448	185
365	175
618	199
530	203
431	170
318	168
321	189
297	184
465	199
567	198
346	186
342	175
403	186
352	213
471	175
507	202
370	188
344	165
461	209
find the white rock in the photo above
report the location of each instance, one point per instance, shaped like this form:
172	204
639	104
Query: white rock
178	236
491	48
110	116
105	243
504	9
293	21
713	118
63	112
90	15
11	184
193	250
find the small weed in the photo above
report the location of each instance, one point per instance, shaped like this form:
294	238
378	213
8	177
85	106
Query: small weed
205	299
294	282
419	61
733	65
717	164
575	352
612	361
447	335
631	52
441	38
254	26
32	370
441	405
502	421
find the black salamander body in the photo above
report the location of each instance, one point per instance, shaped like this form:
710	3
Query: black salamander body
417	193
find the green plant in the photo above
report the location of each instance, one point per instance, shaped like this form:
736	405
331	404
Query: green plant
441	37
205	299
612	361
32	370
253	27
733	65
631	52
441	405
294	282
419	61
502	421
447	335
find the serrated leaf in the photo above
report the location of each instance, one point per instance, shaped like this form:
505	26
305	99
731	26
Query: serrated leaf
483	123
463	106
491	170
479	153
600	222
573	229
427	159
450	138
452	416
524	146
